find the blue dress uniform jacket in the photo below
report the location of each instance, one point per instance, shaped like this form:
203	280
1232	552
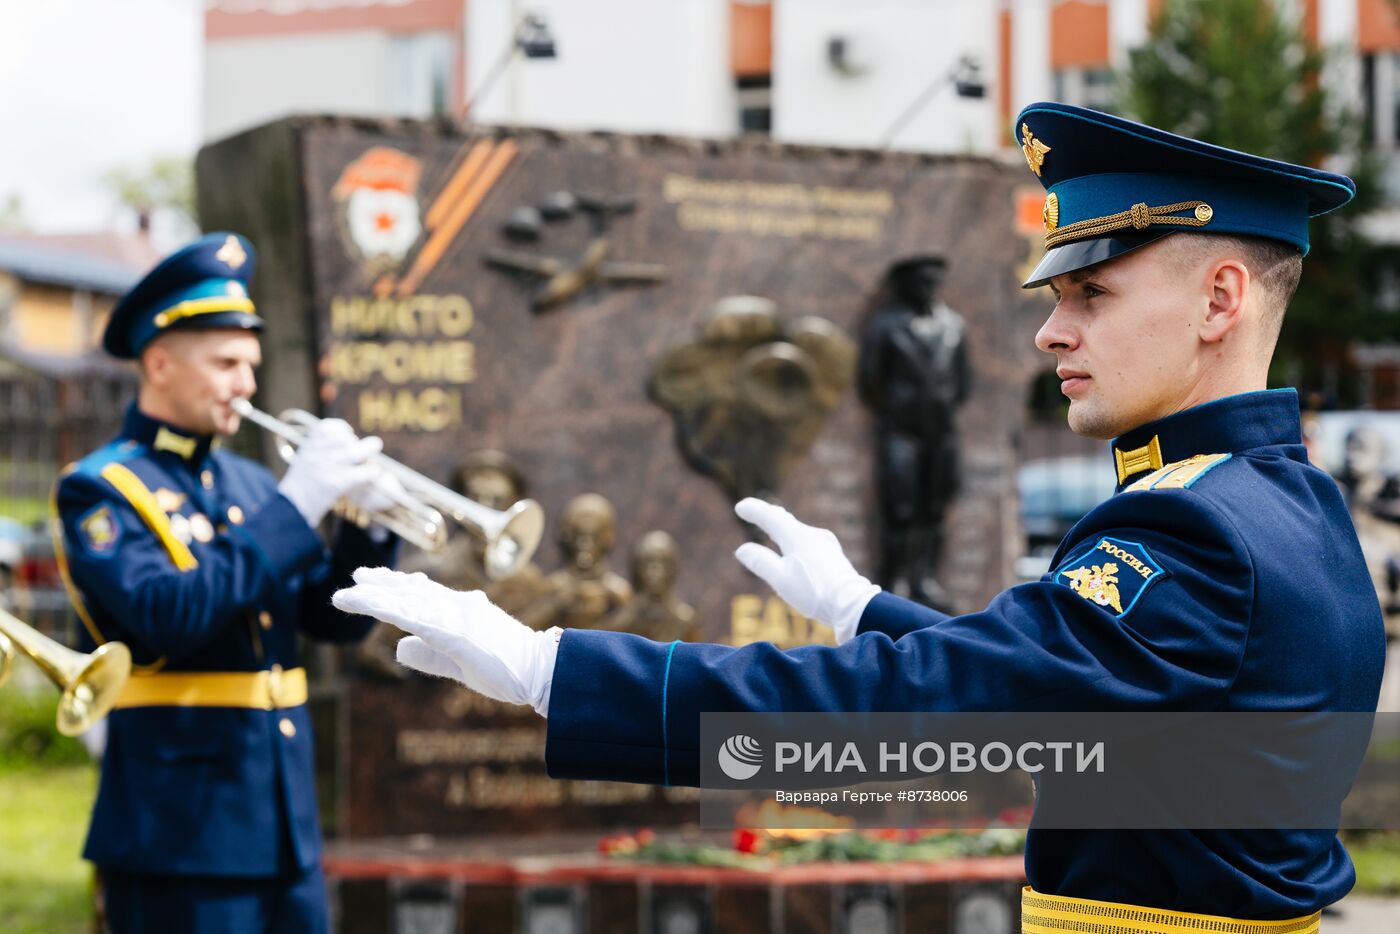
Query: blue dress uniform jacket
202	790
1237	585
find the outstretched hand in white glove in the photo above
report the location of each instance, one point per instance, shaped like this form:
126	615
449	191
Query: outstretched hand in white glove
460	635
329	464
812	574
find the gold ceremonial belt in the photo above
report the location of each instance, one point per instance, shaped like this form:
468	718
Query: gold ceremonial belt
258	690
1055	914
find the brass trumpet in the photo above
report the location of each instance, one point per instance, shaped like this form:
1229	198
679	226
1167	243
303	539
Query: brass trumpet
510	535
90	683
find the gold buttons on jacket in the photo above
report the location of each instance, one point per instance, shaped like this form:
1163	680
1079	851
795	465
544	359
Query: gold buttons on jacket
180	528
289	729
207	478
235	515
265	619
201	528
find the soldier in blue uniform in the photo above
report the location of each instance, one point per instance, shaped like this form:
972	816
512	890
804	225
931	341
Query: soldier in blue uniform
1223	574
209	569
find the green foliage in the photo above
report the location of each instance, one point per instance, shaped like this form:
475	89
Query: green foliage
1235	73
45	886
1240	73
12	216
758	850
1377	858
29	728
160	184
924	848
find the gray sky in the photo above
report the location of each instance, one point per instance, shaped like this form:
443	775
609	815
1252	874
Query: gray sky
88	85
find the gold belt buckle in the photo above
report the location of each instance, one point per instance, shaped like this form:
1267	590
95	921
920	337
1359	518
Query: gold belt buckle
274	686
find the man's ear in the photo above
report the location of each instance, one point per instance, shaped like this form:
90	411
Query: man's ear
155	364
1229	286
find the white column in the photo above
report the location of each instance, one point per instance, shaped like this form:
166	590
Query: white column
1030	52
1336	33
489	26
1385	114
1127	29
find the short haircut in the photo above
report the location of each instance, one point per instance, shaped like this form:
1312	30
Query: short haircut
1276	267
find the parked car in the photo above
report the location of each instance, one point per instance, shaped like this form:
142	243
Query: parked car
31	585
39	568
13	536
1055	494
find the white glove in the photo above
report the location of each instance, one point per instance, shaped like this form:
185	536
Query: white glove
379	494
331	463
813	575
460	635
376	496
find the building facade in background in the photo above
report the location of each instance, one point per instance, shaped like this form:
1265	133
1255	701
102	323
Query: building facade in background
806	71
942	76
265	59
56	290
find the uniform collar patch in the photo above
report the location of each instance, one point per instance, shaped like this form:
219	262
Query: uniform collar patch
167	440
1113	574
1230	425
1146	458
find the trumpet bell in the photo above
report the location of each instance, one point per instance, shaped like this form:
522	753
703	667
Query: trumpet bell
90	683
7	657
94	689
514	544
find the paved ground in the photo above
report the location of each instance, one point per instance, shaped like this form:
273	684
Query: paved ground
1363	914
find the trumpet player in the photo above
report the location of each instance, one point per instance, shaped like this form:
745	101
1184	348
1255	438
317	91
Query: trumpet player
208	568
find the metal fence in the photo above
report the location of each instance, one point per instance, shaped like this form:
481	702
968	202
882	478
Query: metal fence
47	420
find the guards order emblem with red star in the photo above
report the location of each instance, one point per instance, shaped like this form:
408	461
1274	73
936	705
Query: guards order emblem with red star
377	198
1113	574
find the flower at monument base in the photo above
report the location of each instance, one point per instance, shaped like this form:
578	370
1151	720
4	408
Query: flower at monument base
626	844
618	845
747	841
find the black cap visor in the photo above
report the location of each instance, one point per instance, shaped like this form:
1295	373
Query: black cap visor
118	341
1081	253
238	320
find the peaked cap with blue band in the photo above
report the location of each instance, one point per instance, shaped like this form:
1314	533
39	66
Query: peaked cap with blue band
1114	185
203	285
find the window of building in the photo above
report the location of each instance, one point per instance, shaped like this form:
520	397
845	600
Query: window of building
1386	284
420	73
1085	87
755	99
1381	86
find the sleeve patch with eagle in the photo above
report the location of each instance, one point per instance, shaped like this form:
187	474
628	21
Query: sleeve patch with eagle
100	531
1114	574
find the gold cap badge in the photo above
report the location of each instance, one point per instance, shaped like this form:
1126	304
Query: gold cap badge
1051	213
1034	149
232	253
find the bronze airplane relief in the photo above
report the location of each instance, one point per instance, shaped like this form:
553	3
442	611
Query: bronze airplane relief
565	277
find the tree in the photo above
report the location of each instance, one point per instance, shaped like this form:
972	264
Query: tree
161	184
12	216
1240	73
